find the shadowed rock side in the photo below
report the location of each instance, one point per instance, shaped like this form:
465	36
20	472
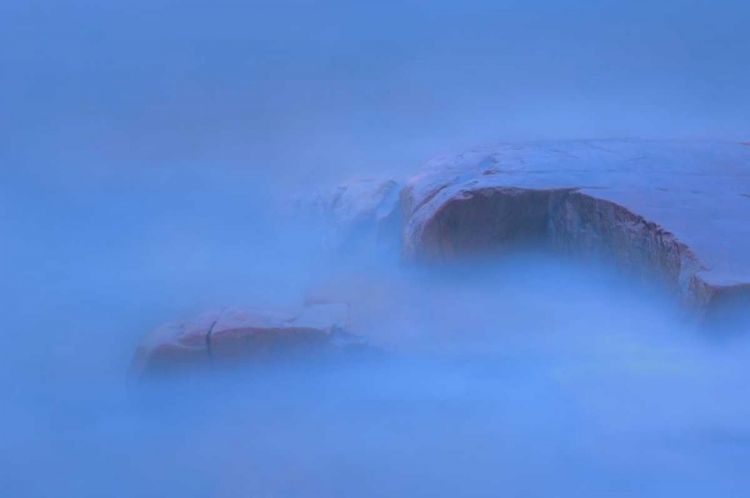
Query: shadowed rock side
493	220
247	336
669	212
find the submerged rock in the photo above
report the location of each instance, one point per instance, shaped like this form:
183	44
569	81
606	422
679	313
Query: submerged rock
250	336
363	212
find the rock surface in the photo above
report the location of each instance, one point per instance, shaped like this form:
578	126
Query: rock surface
239	335
675	211
362	211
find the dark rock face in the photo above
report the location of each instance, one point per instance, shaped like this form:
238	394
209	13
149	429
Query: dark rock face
247	336
565	221
488	220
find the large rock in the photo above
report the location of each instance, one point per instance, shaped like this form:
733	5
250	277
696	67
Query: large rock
676	212
252	336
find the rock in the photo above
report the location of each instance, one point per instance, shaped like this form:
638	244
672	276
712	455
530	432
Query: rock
672	211
175	345
358	213
252	336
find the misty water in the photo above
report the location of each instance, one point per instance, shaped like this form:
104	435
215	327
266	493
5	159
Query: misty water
529	376
147	153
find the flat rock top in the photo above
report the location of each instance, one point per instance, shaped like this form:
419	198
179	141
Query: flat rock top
698	190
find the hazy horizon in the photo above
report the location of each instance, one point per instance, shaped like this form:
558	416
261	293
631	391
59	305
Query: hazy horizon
319	88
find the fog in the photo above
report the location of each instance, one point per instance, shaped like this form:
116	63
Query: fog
147	153
334	85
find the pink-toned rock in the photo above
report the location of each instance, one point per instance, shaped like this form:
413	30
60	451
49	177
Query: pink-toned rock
673	211
250	335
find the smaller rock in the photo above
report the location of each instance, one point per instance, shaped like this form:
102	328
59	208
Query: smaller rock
248	336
